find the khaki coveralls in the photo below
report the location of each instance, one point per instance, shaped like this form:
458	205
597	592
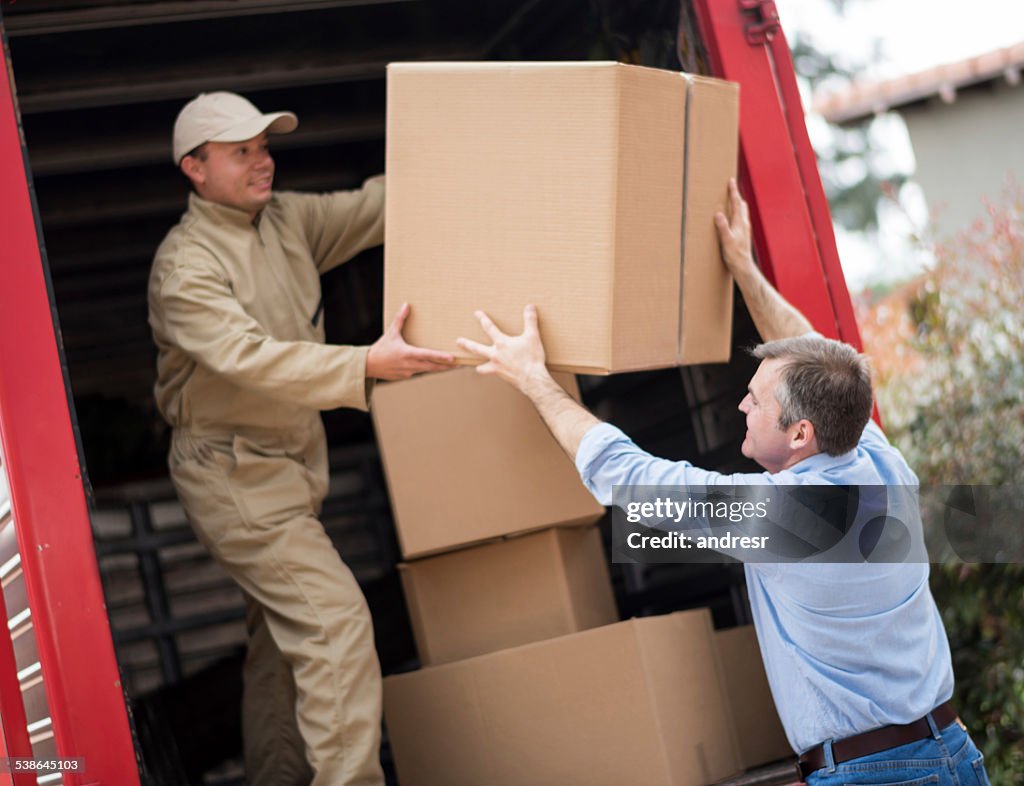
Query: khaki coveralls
242	374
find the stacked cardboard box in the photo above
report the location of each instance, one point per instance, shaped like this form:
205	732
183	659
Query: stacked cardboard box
634	702
499	536
589	190
521	630
468	459
759	731
528	588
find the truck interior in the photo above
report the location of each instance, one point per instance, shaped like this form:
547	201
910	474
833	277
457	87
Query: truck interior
98	87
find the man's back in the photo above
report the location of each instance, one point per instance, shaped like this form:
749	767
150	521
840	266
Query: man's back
847	646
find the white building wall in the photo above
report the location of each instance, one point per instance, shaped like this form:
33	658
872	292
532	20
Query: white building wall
966	150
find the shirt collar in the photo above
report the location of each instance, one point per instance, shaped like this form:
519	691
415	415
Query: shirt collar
221	213
822	462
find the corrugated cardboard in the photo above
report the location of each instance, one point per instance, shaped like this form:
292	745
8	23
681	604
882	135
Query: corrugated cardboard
561	184
759	732
511	592
468	459
635	702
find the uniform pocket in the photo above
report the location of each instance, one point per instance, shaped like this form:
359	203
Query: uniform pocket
272	486
199	471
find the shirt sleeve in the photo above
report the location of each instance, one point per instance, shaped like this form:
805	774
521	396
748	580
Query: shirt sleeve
607	458
200	314
341	224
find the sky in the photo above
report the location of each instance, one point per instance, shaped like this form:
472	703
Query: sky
915	34
893	38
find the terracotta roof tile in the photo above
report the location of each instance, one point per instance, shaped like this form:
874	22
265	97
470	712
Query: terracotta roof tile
861	100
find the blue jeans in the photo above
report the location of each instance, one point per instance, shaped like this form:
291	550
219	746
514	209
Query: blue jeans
948	758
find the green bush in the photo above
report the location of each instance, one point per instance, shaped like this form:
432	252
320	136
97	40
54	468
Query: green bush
983	608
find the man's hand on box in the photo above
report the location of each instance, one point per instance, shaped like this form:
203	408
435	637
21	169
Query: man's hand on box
734	233
773	315
518	360
390	357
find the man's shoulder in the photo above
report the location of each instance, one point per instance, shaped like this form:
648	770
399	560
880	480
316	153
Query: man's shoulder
888	460
281	200
184	245
290	208
285	202
873	439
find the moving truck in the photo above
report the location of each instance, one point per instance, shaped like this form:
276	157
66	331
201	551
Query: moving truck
121	654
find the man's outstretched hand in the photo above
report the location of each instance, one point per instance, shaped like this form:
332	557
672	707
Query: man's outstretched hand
734	233
390	357
773	315
518	360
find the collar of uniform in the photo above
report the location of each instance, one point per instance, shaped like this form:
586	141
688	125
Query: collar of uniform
221	213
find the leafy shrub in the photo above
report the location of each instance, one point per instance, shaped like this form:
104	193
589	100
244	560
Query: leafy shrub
949	351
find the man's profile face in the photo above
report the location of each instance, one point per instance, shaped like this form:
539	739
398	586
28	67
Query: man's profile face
765	442
236	174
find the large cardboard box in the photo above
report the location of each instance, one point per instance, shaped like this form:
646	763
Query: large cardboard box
635	702
759	731
468	459
588	189
511	592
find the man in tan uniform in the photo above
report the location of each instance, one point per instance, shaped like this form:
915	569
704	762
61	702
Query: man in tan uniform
242	374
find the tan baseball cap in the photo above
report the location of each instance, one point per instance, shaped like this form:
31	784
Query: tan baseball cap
224	117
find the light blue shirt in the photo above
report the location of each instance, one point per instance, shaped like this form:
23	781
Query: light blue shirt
847	647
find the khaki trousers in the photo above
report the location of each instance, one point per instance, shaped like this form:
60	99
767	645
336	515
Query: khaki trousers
254	502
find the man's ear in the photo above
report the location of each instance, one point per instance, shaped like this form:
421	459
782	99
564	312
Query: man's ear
803	434
192	168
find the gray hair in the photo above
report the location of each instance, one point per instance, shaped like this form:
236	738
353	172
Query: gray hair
826	382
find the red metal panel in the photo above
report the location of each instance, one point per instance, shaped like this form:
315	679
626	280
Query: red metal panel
13	725
817	203
80	674
793	233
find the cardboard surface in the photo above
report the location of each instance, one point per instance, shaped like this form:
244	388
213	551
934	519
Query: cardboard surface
635	702
511	592
759	733
468	459
561	184
711	155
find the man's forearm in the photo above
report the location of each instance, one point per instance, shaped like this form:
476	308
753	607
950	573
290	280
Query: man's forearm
773	315
567	419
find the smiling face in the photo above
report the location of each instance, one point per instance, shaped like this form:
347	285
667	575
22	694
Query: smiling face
772	447
236	174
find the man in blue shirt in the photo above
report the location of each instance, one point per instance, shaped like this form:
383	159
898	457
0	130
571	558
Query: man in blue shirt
856	654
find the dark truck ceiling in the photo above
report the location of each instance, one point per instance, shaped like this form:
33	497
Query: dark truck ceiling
99	85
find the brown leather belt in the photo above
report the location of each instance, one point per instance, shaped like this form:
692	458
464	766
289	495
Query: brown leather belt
876	740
